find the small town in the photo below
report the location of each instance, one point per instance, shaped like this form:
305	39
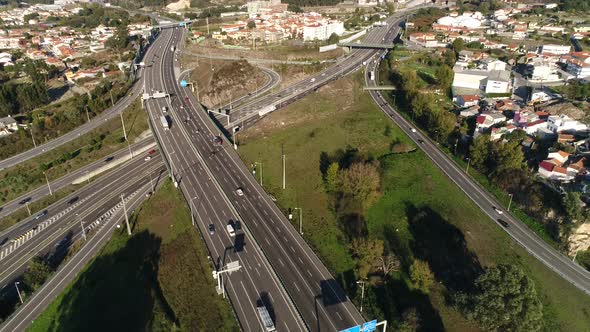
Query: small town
295	165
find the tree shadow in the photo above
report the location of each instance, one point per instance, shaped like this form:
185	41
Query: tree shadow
118	291
443	246
344	158
404	298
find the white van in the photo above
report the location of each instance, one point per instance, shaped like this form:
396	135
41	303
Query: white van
230	229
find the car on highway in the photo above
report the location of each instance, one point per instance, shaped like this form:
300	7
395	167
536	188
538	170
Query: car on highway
240	192
25	201
230	229
412	129
151	152
164	109
502	222
217	140
40	215
498	211
421	141
237	225
148	158
211	229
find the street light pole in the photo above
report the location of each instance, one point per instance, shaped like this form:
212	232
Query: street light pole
83	230
362	283
509	203
259	163
18	291
28	209
33	136
125	135
48	186
300	220
467	169
284	170
126	217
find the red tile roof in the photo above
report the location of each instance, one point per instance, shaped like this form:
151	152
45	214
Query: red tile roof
547	166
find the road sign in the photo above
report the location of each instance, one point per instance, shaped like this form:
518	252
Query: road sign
183	83
353	329
370	326
181	24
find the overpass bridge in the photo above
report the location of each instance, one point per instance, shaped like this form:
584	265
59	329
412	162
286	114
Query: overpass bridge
379	88
367	45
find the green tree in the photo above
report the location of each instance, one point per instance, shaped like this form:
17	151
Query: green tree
444	76
507	156
367	253
410	321
333	39
504	299
571	205
251	24
421	275
332	183
294	8
120	40
360	181
37	272
458	45
479	152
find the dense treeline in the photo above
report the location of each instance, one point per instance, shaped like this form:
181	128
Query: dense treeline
303	3
17	98
135	4
92	16
576	5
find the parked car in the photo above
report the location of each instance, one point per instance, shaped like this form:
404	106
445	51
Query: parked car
211	229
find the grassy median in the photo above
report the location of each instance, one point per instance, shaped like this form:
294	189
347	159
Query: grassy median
157	280
456	236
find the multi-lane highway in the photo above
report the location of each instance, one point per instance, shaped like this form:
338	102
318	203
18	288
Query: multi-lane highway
549	256
255	281
34	306
66	180
41	233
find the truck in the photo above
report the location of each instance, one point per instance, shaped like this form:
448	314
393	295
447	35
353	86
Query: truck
172	48
372	75
269	326
165	123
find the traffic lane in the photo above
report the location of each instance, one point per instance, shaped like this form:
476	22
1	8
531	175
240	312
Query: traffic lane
530	241
41	299
104	183
293	270
183	181
67	179
221	224
13	265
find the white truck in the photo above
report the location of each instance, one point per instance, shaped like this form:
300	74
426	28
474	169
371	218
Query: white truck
269	326
165	123
372	75
172	48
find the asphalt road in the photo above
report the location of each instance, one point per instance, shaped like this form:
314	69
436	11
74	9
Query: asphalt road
42	191
41	299
524	236
37	233
255	281
95	122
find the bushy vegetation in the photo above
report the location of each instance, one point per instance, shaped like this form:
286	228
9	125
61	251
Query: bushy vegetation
576	5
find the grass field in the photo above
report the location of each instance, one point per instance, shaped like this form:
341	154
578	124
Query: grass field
157	280
79	152
420	213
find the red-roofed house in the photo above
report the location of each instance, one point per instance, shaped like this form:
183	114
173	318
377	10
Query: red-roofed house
560	156
467	100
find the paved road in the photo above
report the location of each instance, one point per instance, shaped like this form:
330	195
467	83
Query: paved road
95	122
41	299
255	281
42	191
553	259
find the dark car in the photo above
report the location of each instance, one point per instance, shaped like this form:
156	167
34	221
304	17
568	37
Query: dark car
217	140
25	201
237	225
421	141
502	222
211	229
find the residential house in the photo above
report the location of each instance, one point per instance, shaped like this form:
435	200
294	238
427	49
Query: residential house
551	171
467	100
7	126
531	128
577	63
470	111
498	81
559	123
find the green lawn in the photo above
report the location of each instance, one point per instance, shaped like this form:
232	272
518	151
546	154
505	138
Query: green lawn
81	151
420	213
157	280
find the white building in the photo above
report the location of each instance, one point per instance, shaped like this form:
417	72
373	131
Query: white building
556	49
322	31
490	64
559	123
544	73
498	82
493	81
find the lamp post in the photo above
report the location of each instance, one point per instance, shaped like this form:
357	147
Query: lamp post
509	203
259	163
362	283
33	136
48	186
18	291
300	220
467	169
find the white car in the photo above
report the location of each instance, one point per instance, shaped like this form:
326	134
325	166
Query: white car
240	192
148	158
413	130
498	210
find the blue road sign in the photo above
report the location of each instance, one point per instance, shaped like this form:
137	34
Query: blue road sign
181	24
370	326
183	83
353	329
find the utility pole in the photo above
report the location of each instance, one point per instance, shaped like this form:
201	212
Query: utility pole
87	115
151	182
300	219
18	291
509	203
125	135
467	169
259	163
362	283
126	217
207	20
48	186
111	93
28	209
33	136
284	170
83	230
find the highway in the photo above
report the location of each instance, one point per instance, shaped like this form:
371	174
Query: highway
66	273
43	233
255	281
64	181
532	243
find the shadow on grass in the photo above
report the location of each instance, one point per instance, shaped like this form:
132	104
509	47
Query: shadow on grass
443	246
118	291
